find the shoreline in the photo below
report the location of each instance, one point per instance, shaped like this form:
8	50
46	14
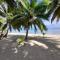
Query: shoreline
34	35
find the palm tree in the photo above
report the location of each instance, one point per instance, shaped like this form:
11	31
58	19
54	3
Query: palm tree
32	13
6	17
28	13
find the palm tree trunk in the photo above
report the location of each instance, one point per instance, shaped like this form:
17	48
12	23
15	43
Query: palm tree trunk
6	34
26	37
1	36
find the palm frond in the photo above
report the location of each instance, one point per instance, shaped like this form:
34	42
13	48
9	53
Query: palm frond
2	14
53	6
4	27
4	8
25	4
0	24
56	14
11	3
40	25
40	8
10	28
33	3
1	1
35	28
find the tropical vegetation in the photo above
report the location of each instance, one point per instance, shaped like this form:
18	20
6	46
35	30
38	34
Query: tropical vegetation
27	13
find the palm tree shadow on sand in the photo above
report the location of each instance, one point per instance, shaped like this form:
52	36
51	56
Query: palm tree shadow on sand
36	47
44	42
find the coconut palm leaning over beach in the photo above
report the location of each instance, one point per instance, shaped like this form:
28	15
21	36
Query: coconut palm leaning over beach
27	14
31	13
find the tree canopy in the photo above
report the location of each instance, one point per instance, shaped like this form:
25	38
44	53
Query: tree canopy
27	13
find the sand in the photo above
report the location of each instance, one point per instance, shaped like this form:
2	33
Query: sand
38	48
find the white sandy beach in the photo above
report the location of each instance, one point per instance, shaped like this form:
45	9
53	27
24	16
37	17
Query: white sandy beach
47	48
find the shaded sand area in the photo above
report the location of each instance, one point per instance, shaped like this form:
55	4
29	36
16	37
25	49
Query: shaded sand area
38	48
